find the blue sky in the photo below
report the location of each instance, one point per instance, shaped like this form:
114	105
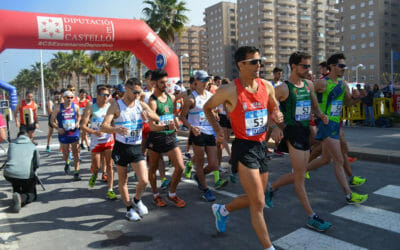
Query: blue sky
13	60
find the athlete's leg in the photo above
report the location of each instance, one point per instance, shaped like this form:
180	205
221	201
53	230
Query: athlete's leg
323	160
123	184
75	153
65	151
175	155
198	164
95	164
211	153
109	167
153	159
49	134
345	149
141	172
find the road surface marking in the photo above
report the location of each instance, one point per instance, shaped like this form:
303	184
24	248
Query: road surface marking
371	216
306	239
391	191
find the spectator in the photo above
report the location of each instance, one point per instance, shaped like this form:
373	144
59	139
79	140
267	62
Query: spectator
368	107
376	91
3	126
22	162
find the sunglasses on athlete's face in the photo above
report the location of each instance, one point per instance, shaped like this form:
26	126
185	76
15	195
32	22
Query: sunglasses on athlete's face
305	66
253	61
104	95
341	65
69	97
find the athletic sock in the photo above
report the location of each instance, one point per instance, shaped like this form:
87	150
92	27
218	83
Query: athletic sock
171	194
129	208
270	248
163	179
348	196
223	211
76	172
216	176
312	215
135	200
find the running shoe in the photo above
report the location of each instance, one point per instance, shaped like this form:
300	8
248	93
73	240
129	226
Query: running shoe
141	208
177	201
159	201
276	151
220	221
111	195
132	215
268	198
48	149
356	198
70	156
82	146
66	168
77	177
357	181
307	175
187	155
199	186
188	169
208	196
165	184
17	202
233	178
318	224
351	159
220	183
92	180
104	177
88	149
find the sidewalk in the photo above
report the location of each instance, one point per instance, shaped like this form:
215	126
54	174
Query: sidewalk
367	143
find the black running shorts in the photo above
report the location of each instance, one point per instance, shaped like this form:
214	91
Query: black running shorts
123	154
204	140
298	136
252	154
160	142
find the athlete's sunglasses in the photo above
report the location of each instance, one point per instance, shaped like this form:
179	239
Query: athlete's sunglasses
104	95
253	61
341	65
305	66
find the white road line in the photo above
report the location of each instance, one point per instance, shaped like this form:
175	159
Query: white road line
40	131
212	189
306	239
389	191
371	216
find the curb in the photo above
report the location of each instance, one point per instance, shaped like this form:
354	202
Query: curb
360	153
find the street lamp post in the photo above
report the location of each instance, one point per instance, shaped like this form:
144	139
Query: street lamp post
357	67
180	64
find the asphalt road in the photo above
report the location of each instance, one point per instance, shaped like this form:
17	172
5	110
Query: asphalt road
70	215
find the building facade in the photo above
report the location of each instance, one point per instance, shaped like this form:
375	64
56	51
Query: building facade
221	29
191	48
369	32
280	27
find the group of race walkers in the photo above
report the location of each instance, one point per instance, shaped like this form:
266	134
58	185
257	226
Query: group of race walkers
135	127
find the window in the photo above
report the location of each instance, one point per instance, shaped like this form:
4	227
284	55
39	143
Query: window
353	27
363	35
363	46
352	7
372	56
371	34
371	23
353	47
353	37
352	17
362	4
342	48
370	2
362	15
362	25
372	66
371	44
372	77
371	14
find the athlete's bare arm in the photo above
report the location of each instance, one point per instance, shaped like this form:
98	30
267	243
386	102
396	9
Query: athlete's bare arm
274	112
320	86
188	103
16	111
314	102
149	112
53	119
87	114
106	127
78	116
175	112
153	125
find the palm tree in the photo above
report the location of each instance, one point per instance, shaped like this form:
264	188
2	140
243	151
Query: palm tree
166	17
104	60
61	63
90	70
120	60
77	64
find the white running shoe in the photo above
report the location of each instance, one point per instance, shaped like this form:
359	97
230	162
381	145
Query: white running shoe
141	208
132	215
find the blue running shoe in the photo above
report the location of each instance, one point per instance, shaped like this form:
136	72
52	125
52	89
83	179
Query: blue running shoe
198	182
268	198
165	184
208	196
70	156
318	224
220	221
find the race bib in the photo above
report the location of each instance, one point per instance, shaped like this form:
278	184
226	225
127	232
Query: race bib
69	124
303	110
81	111
203	120
166	119
96	123
336	108
256	121
134	132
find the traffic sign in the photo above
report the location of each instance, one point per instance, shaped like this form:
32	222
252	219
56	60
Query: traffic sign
161	61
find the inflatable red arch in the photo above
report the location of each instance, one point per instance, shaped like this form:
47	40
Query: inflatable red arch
27	30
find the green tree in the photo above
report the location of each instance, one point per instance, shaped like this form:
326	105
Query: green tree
61	64
104	60
120	60
90	70
77	64
166	17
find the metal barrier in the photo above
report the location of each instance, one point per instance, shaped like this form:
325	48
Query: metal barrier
381	106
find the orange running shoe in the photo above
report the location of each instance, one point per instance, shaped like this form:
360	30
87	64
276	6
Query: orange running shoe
104	177
159	201
351	159
177	201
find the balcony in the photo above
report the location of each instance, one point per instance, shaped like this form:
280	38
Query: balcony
285	52
288	35
268	25
267	7
286	18
268	43
332	32
286	27
268	35
320	24
332	10
288	10
331	25
290	3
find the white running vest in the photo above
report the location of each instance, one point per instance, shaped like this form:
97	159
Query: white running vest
196	116
95	124
130	118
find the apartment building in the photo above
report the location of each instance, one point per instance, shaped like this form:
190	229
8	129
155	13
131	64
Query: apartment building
369	32
221	29
280	27
191	48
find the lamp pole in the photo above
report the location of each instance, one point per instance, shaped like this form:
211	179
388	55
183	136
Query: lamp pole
180	64
42	81
357	67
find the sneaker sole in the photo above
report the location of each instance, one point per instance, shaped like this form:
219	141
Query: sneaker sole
173	203
17	203
216	220
208	200
317	229
354	203
221	186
